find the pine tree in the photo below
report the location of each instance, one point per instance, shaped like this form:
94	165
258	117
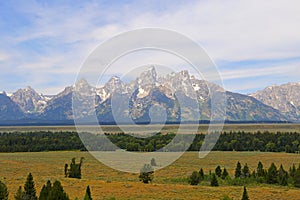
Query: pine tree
260	170
75	169
297	177
19	194
66	170
214	181
29	189
194	178
218	171
3	191
246	172
57	192
272	175
201	174
45	192
224	174
282	176
292	170
245	194
88	195
238	170
153	162
146	174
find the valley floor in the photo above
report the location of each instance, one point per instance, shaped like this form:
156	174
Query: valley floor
169	183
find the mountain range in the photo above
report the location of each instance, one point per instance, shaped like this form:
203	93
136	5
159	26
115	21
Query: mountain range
144	98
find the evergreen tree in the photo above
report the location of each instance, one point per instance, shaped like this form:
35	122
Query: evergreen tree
88	195
282	176
245	194
224	174
246	172
153	162
214	181
260	170
29	189
253	174
297	178
201	174
194	178
66	170
272	175
19	194
3	191
292	170
146	174
218	171
53	192
45	192
75	169
238	170
57	192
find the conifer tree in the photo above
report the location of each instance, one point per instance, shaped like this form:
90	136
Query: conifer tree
282	176
218	171
45	192
146	174
272	175
88	195
297	177
19	194
292	170
214	181
201	174
246	172
3	191
224	174
260	170
57	192
194	178
238	170
29	189
245	194
153	162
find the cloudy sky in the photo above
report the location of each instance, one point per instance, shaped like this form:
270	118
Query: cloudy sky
253	43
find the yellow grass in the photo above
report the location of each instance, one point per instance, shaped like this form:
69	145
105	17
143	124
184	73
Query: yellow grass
106	183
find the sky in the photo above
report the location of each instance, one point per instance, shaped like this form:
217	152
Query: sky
44	43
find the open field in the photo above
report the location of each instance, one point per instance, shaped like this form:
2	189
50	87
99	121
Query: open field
166	129
169	183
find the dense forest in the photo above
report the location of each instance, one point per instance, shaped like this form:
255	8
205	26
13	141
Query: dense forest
228	141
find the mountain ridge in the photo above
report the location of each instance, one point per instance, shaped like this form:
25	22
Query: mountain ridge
140	99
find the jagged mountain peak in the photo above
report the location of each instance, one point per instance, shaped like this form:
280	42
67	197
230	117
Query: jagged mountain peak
148	77
29	100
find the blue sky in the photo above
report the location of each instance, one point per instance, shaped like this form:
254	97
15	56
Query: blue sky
43	43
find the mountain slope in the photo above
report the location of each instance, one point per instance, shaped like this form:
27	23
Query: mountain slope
9	110
285	98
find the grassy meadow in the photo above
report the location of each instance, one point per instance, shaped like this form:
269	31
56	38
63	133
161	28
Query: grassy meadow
169	183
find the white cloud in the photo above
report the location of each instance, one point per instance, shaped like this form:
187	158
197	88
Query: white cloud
231	31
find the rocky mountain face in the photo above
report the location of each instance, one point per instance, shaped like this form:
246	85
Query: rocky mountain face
29	100
285	98
173	97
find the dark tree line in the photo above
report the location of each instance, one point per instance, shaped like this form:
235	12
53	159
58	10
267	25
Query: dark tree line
39	141
228	141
